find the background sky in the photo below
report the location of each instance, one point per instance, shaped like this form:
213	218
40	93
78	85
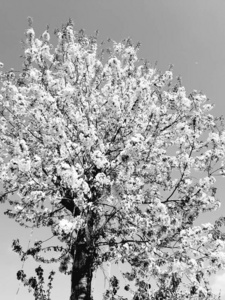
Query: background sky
190	34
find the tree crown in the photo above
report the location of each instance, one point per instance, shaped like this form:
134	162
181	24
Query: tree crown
107	151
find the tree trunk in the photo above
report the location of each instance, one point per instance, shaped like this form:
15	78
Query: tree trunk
82	273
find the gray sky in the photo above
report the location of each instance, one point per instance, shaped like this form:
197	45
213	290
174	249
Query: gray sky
187	33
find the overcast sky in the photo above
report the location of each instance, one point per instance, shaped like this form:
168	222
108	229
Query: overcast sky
186	33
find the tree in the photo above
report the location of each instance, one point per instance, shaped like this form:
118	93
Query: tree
118	161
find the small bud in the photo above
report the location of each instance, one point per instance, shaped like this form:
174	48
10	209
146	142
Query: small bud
30	21
46	36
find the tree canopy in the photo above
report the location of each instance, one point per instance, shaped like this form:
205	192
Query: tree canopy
118	160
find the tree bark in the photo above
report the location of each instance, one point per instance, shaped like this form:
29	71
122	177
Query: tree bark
82	272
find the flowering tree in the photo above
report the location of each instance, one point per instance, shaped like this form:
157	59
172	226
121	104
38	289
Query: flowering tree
117	161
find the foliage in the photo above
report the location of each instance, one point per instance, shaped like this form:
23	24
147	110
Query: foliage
36	283
107	151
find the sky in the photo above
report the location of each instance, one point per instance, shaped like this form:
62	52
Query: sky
186	33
